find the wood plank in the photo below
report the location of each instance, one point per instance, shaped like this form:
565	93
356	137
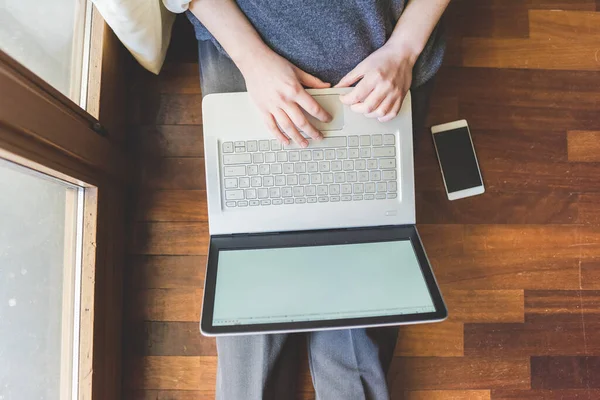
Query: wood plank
182	78
561	239
524	88
584	146
178	109
447	395
565	372
170	238
434	340
174	373
167	272
495	18
581	5
433	207
519	269
511	175
589	240
177	305
552	302
173	173
589	208
176	339
172	205
567	394
545	335
531	54
444	373
590	274
566	25
484	305
170	395
442	240
442	108
168	141
516	117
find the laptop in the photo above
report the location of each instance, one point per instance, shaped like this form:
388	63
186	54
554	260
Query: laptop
317	238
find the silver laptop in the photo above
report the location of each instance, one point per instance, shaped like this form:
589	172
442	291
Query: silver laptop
316	238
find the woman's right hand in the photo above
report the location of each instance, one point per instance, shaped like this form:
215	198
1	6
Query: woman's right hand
276	86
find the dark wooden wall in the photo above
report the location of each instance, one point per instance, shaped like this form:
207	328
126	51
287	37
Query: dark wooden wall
519	266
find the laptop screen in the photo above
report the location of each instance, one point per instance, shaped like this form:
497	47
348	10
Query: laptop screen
326	282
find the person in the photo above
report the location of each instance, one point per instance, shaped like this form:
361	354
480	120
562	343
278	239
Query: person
275	49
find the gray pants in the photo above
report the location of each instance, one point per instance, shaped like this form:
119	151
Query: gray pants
346	364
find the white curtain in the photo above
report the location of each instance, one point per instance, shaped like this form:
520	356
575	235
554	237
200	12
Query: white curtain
143	26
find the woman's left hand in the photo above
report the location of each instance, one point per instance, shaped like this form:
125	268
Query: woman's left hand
385	77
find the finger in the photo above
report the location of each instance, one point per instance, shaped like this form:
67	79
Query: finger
358	94
274	129
371	103
311	81
393	112
300	121
287	126
351	77
307	102
383	108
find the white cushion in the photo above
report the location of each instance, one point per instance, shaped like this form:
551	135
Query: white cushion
143	26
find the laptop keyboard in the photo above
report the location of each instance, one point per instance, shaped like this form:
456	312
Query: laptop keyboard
335	169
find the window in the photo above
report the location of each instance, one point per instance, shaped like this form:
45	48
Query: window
40	270
51	39
62	199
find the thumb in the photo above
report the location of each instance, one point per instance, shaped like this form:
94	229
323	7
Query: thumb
311	81
351	77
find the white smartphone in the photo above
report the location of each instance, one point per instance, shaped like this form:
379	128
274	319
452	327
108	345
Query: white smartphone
458	162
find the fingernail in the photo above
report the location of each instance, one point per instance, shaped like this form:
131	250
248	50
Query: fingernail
304	143
329	118
319	138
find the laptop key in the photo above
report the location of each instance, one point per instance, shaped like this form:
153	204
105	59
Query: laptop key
387	163
228	147
266	202
231	183
263	145
230	204
234	171
234	194
389	139
254	202
384	151
311	200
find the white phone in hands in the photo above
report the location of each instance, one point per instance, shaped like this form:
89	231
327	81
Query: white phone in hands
458	162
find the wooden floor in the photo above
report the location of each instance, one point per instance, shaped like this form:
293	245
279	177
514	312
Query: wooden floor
519	266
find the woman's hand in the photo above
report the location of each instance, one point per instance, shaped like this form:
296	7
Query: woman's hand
275	85
385	78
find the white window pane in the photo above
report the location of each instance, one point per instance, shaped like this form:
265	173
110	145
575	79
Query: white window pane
38	228
47	38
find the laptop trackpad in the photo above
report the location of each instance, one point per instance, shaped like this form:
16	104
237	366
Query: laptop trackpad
332	104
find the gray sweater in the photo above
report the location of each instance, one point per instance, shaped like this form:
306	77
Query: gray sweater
328	38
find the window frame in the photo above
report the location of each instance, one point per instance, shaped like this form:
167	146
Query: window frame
42	129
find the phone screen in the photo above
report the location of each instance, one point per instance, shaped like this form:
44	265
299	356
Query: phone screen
457	158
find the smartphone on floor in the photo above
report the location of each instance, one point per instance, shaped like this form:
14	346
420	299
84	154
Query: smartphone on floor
458	161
